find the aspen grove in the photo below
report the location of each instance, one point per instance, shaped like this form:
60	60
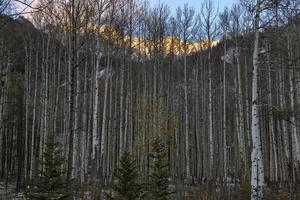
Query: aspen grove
208	99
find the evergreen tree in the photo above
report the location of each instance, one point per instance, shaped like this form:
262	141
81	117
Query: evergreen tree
50	182
159	178
126	187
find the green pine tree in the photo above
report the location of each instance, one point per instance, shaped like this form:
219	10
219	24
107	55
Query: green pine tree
50	182
126	187
158	186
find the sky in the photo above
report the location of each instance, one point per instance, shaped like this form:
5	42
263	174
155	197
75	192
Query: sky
173	4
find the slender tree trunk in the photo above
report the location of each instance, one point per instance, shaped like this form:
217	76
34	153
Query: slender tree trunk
73	65
84	130
295	139
121	127
76	147
95	140
104	120
257	168
273	145
210	113
241	124
27	100
33	154
187	155
224	114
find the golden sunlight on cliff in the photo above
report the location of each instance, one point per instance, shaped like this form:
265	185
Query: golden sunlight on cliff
168	46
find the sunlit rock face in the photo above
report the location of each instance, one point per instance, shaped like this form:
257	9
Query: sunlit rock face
167	46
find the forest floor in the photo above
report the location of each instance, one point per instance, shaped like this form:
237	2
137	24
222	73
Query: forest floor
181	192
7	191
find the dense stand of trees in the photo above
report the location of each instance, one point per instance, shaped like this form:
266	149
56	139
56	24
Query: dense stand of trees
105	76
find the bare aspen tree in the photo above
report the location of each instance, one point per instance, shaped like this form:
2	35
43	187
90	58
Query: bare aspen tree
257	168
101	6
236	29
224	18
72	9
273	146
34	112
28	52
185	18
208	17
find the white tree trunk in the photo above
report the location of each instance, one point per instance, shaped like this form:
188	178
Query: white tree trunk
198	125
241	127
210	113
26	99
84	131
45	100
32	160
224	114
57	95
295	139
273	145
295	142
76	147
121	127
283	122
257	168
104	118
95	140
187	155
